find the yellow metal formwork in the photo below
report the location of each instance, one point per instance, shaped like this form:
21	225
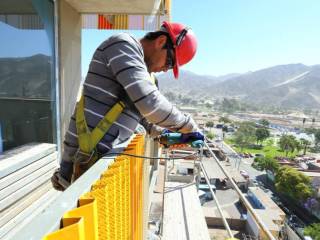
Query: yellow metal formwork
113	209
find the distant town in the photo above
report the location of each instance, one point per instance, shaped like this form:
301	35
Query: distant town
274	159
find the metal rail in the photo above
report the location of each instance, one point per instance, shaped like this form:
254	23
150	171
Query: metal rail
225	223
242	197
163	189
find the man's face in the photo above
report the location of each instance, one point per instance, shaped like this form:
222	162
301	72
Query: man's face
159	58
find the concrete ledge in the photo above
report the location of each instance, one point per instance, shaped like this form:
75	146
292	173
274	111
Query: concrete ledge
48	220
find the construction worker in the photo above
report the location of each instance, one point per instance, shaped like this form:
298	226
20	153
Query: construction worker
118	94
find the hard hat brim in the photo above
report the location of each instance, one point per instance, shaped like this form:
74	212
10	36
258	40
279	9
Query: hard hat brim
173	39
176	66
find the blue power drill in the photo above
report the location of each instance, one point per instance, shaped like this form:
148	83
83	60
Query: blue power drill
195	139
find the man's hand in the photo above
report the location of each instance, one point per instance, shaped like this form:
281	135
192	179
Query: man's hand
58	182
166	131
191	137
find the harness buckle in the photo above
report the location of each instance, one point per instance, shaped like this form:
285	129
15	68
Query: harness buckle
82	162
83	157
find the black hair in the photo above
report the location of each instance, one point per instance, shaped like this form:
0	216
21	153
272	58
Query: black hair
154	35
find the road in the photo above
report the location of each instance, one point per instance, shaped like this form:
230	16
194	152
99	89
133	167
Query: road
238	162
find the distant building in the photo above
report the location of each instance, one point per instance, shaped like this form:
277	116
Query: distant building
181	171
314	166
273	217
188	109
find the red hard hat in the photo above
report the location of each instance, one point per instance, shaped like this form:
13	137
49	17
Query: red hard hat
184	44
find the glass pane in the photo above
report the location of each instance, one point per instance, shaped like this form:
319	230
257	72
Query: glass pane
27	89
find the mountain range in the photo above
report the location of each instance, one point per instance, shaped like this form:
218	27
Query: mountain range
26	77
287	86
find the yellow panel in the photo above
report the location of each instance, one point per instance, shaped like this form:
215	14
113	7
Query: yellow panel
73	228
87	211
113	209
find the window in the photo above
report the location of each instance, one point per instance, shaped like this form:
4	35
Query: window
27	86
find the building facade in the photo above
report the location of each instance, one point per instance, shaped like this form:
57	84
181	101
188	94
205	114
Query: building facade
40	59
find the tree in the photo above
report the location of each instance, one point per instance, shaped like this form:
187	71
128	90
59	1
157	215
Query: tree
245	134
313	231
311	130
298	146
210	135
288	143
303	121
228	105
209	124
264	122
209	105
305	145
270	142
293	183
267	163
317	137
262	134
224	130
224	120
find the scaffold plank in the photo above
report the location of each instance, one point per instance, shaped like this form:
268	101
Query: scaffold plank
183	217
4	203
33	176
16	159
17	175
22	219
19	206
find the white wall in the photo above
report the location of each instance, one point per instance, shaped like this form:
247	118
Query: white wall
252	227
70	60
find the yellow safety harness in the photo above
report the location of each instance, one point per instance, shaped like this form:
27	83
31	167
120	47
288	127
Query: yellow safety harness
88	140
87	154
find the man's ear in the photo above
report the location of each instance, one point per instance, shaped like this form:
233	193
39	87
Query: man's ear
161	41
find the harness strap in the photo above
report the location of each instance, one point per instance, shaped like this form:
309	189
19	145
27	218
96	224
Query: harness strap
89	140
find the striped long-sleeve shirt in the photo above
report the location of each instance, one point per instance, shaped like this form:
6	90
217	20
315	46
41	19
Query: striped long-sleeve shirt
118	72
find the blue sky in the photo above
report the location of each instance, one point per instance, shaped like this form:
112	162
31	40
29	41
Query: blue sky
236	36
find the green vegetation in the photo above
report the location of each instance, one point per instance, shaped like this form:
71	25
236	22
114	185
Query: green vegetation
229	105
250	139
267	150
313	231
316	133
209	124
317	137
305	144
288	143
264	122
293	183
225	128
210	135
245	135
224	120
262	134
266	163
267	147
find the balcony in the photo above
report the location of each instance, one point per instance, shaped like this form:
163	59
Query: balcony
126	195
